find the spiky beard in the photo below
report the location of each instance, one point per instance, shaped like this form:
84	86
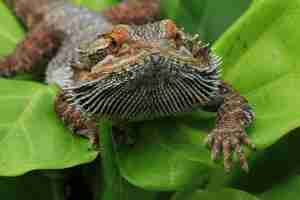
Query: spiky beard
160	86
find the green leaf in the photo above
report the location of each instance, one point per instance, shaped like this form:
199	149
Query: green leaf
96	5
168	154
209	18
260	53
288	190
224	194
218	16
32	136
11	31
271	166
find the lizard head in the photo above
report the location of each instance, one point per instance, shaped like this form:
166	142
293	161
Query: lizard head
141	72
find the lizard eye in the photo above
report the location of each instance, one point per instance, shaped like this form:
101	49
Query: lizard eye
114	44
89	54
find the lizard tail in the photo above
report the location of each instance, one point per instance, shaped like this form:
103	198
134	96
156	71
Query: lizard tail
31	12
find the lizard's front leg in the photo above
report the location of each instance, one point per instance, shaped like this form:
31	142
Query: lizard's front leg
76	121
233	115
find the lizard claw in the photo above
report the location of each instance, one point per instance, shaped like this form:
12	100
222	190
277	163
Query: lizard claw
229	139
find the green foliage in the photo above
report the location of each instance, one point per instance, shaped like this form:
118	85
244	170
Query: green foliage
209	18
10	31
30	186
32	137
260	57
180	155
226	193
288	188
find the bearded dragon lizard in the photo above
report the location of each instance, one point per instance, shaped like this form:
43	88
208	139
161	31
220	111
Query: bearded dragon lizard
143	70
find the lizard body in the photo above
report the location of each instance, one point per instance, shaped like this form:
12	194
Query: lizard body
127	72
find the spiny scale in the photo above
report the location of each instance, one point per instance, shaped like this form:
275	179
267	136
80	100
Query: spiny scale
160	87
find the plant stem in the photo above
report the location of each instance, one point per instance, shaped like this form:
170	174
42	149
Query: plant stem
57	188
108	161
56	179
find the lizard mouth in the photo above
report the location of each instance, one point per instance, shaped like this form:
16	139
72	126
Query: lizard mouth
160	86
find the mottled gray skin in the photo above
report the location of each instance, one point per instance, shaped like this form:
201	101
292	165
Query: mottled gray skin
79	25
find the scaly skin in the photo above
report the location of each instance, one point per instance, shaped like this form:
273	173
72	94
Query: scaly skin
127	72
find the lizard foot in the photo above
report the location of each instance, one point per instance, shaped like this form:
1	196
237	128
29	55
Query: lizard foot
229	138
